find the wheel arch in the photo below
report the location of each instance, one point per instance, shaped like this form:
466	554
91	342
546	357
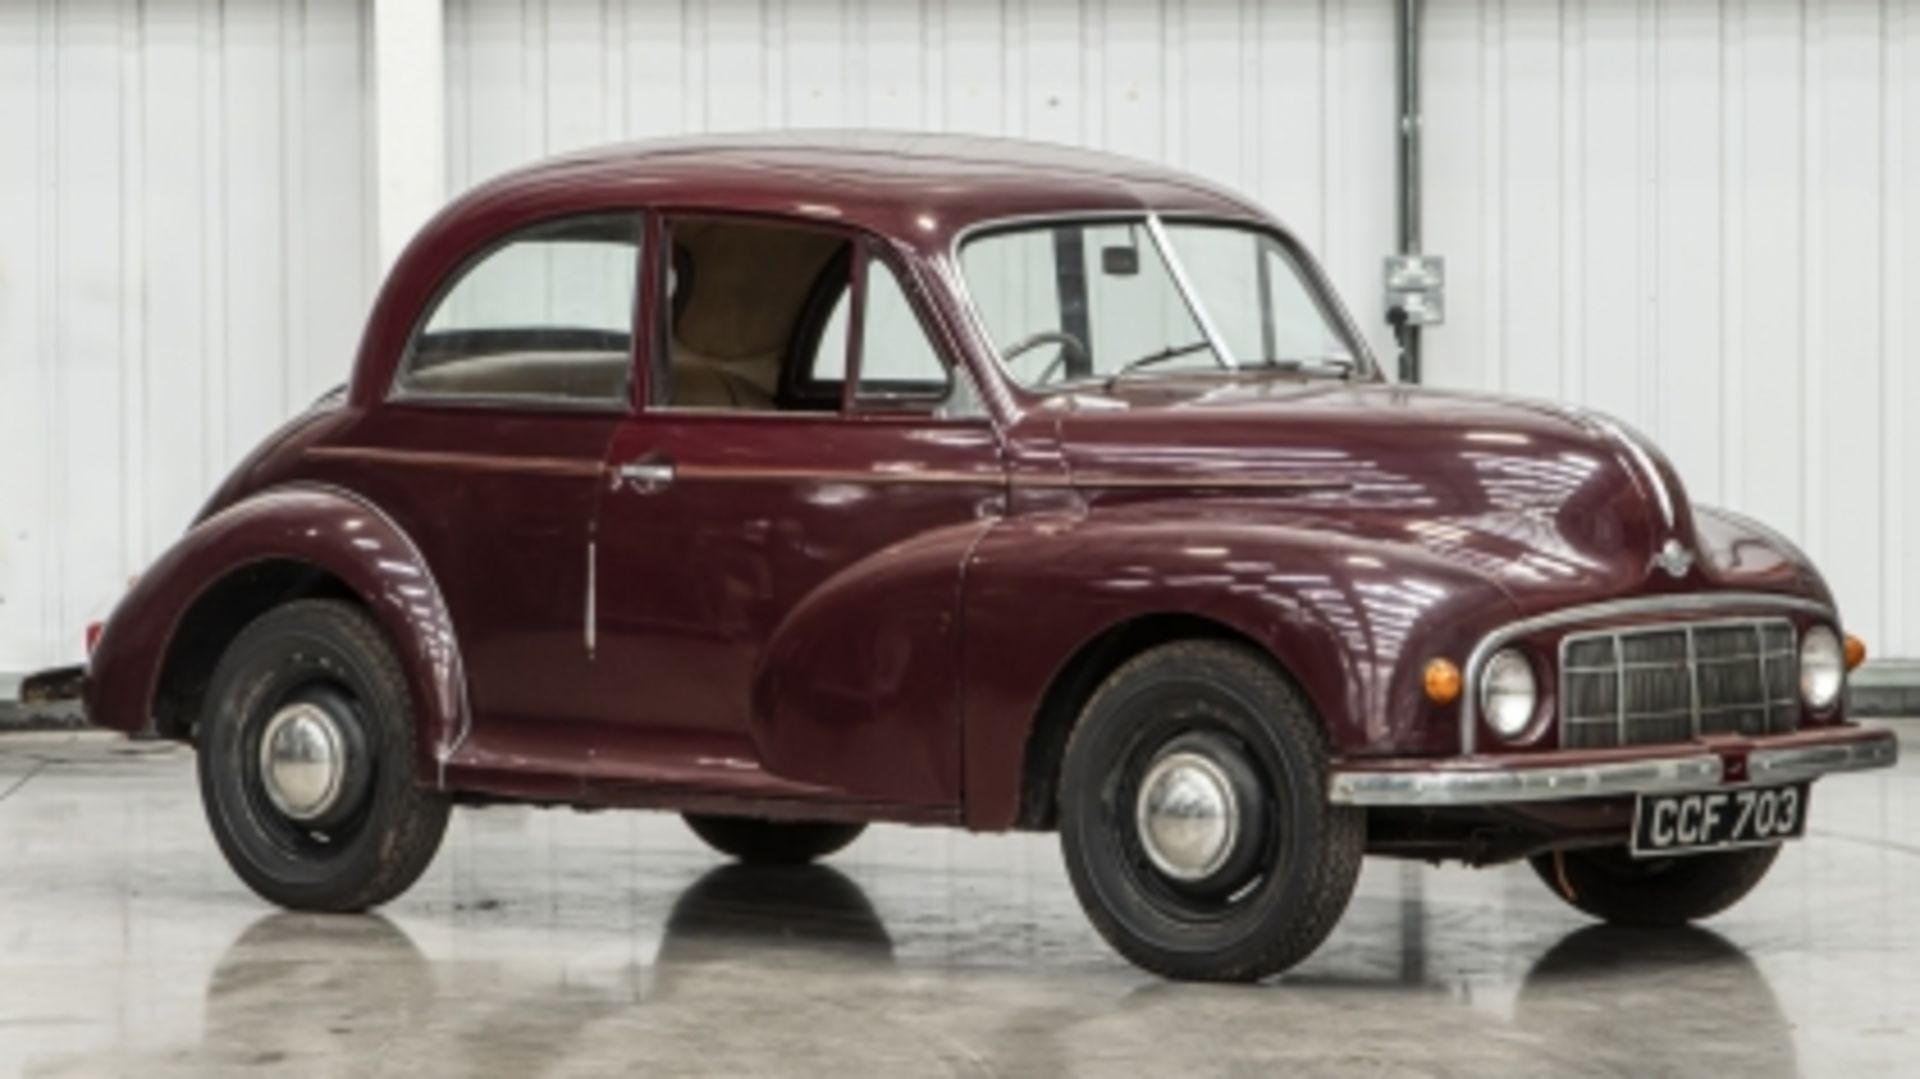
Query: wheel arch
1348	619
1077	680
214	618
291	542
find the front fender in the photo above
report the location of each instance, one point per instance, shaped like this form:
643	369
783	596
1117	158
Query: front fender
1352	619
1739	552
330	529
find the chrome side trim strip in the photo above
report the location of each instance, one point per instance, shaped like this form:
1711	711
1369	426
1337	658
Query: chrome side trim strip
1792	764
777	473
489	462
591	622
1497	787
1081	480
1620	608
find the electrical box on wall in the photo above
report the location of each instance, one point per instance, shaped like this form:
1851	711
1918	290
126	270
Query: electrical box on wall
1416	290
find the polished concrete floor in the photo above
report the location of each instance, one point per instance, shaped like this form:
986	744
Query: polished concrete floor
550	942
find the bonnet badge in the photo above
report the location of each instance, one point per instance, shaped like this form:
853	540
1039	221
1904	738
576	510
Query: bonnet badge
1674	558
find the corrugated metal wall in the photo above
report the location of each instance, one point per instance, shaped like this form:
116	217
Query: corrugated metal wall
1700	215
186	252
1704	218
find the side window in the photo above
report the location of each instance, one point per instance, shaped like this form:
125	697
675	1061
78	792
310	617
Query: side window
547	315
896	359
899	367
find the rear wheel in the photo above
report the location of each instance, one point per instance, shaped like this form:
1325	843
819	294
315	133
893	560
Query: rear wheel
756	841
306	762
1194	818
1615	887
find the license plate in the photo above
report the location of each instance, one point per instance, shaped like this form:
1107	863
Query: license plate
1666	824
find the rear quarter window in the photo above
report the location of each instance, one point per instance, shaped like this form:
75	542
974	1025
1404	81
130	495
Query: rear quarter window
545	315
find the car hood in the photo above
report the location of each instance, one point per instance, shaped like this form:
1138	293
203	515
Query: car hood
1552	504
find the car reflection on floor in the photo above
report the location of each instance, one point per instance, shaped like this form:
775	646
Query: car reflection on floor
560	943
784	970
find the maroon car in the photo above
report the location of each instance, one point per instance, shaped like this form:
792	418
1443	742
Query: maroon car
794	483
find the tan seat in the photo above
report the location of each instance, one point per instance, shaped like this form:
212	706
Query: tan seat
573	375
738	291
700	381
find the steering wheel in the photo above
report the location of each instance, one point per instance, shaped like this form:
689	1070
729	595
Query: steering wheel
1068	344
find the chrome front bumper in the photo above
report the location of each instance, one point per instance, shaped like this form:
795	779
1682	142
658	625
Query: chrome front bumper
1569	774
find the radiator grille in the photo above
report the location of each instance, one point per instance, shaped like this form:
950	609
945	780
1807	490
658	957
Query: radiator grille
1668	683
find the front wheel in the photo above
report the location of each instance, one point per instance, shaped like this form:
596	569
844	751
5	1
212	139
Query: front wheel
1615	887
306	762
773	842
1194	816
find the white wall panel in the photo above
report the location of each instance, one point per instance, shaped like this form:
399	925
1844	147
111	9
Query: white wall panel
1289	102
1700	216
185	259
1697	214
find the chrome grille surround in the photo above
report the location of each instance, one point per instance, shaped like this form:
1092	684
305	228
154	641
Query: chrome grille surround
1701	603
1669	682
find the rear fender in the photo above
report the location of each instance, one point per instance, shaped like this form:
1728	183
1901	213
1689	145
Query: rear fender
332	530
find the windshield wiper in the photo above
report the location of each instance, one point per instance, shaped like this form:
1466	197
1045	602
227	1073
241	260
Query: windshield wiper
1345	365
1171	352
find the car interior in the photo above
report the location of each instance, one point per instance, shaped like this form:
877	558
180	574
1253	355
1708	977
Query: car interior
749	310
755	320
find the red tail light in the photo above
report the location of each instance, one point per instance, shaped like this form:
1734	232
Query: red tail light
93	635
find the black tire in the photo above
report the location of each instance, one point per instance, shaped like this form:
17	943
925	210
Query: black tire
773	842
384	828
1288	871
1615	887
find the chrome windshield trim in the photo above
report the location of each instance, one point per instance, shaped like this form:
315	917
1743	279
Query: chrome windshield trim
1178	270
1686	603
1505	786
954	271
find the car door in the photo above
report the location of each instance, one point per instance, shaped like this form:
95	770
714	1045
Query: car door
778	589
488	453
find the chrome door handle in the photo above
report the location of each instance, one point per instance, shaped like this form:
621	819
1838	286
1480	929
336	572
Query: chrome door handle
645	475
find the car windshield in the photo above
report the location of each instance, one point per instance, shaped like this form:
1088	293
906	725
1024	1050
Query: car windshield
1073	301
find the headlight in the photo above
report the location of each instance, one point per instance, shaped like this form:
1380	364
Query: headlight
1507	693
1823	667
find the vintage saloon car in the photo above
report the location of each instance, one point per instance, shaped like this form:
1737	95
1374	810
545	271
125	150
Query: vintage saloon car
795	483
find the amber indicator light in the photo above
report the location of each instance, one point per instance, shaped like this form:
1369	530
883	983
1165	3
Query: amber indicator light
1442	681
1856	652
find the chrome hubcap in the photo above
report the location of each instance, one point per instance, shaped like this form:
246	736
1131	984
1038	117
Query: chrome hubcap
303	761
1187	815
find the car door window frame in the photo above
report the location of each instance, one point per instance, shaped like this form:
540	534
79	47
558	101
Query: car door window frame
644	228
653	349
914	403
656	307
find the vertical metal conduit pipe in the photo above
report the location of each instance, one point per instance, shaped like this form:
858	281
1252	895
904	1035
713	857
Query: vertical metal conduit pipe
1406	323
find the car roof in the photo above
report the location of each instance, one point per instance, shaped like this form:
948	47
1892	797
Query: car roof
921	188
